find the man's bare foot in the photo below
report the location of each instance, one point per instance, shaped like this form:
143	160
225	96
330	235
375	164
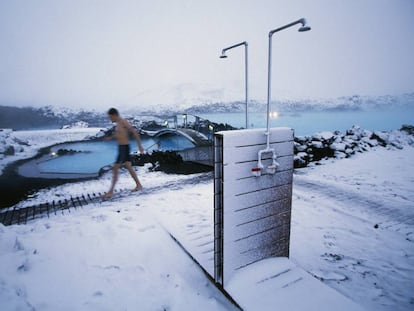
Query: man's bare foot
137	188
107	195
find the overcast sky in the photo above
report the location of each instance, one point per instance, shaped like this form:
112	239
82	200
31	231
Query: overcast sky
124	53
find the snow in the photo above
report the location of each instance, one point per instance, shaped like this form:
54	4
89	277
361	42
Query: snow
352	228
279	282
106	258
326	135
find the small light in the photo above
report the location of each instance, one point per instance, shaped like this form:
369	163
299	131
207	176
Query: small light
166	123
53	154
210	127
184	116
273	114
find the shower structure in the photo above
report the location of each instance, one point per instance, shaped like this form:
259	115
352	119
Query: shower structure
271	169
246	74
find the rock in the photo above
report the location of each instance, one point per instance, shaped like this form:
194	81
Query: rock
334	144
369	141
340	154
349	151
316	144
299	148
324	136
397	145
301	160
10	145
366	133
409	129
355	129
301	140
18	148
349	142
9	151
78	124
338	147
381	137
169	162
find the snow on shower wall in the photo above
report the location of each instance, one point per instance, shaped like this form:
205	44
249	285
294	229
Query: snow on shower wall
252	214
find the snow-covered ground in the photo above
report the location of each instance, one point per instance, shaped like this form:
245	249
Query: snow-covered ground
352	227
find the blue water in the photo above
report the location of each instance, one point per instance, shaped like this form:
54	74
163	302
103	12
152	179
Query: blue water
307	123
92	156
95	155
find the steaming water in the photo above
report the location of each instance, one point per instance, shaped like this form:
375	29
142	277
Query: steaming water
92	156
307	123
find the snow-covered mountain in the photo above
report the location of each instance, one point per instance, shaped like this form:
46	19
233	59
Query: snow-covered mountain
49	116
179	97
18	118
355	102
214	105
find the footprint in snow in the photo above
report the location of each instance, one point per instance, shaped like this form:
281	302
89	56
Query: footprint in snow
24	267
332	257
97	294
110	267
329	239
18	246
99	218
328	275
143	229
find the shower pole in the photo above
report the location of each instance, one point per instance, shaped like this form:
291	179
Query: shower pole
223	55
303	28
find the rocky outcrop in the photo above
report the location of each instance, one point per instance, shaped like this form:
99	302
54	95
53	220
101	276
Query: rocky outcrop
324	145
10	145
169	162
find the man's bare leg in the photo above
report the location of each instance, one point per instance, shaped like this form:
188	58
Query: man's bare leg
115	170
138	186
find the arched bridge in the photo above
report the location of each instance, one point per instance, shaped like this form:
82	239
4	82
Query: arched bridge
197	138
201	153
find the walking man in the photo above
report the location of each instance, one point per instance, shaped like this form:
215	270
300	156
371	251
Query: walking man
122	130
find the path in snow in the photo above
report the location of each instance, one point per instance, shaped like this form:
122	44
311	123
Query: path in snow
353	224
388	213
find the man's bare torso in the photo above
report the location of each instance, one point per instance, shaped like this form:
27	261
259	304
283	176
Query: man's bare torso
122	132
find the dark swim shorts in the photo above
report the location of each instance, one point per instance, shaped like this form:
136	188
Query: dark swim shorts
123	154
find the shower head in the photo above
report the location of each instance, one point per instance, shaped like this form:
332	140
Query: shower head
304	27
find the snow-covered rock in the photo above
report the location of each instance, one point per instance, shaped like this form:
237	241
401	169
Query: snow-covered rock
78	124
324	136
338	146
10	145
325	145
